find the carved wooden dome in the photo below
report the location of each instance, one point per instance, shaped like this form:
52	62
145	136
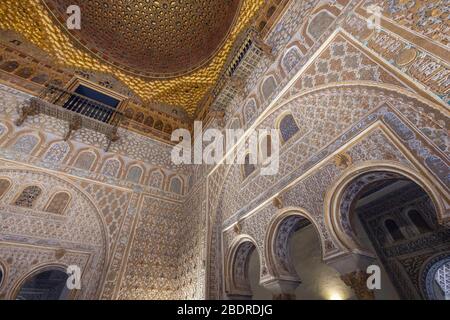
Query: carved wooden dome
156	39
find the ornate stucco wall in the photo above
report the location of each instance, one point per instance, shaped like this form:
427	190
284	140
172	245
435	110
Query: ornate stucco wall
141	227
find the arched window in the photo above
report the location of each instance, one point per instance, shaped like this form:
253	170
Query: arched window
291	59
266	147
85	160
111	168
235	124
248	168
139	117
419	221
394	230
134	174
288	127
129	113
320	23
28	197
9	66
268	87
159	125
168	129
58	203
176	185
4	186
156	179
46	285
25	144
25	72
149	121
57	152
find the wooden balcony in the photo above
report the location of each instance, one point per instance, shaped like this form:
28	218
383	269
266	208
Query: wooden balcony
79	111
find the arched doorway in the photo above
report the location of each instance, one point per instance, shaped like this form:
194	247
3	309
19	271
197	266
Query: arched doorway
391	217
47	284
242	276
295	257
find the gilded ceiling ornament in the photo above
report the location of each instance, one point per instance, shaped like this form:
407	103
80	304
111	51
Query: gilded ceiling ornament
155	39
132	25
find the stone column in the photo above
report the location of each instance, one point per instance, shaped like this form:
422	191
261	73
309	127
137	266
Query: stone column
282	289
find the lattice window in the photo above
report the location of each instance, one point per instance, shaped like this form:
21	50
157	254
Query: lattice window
57	152
85	160
156	179
28	197
394	230
288	127
25	144
268	88
111	168
4	186
134	174
58	203
176	186
442	277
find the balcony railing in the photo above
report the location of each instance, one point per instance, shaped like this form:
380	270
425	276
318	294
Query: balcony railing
79	111
248	52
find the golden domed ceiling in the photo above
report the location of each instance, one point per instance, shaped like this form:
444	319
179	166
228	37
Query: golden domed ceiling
206	34
157	39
